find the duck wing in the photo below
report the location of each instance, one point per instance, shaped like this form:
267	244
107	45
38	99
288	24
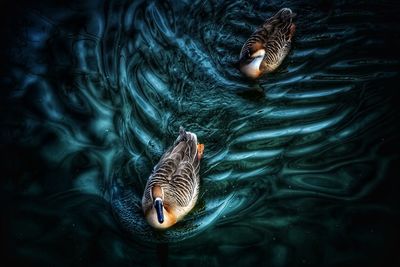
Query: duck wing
185	180
279	27
253	44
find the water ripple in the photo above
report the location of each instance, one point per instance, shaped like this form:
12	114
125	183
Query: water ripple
108	97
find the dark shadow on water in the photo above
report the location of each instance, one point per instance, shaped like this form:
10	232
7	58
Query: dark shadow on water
162	254
254	94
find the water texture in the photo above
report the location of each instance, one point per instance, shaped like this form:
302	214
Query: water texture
300	166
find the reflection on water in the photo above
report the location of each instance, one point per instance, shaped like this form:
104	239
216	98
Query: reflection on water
293	161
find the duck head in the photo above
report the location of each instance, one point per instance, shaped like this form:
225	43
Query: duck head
285	14
159	215
250	65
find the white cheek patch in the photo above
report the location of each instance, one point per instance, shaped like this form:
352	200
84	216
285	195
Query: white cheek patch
253	69
259	53
255	64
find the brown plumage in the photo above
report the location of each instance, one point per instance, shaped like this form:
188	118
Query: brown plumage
266	48
172	189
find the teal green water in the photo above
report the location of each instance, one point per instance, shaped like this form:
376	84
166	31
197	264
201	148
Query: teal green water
299	166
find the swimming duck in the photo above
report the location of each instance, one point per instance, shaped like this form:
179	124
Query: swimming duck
266	48
172	188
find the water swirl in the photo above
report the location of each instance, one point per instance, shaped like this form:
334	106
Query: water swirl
106	86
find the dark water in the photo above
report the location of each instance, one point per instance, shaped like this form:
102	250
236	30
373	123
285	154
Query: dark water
300	167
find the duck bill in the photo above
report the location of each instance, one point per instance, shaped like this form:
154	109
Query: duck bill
158	205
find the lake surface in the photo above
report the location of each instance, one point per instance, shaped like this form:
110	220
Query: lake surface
300	166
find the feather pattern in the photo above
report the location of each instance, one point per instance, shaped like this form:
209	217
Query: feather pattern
177	174
274	37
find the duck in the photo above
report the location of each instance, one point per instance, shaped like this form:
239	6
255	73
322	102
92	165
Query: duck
269	44
172	189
